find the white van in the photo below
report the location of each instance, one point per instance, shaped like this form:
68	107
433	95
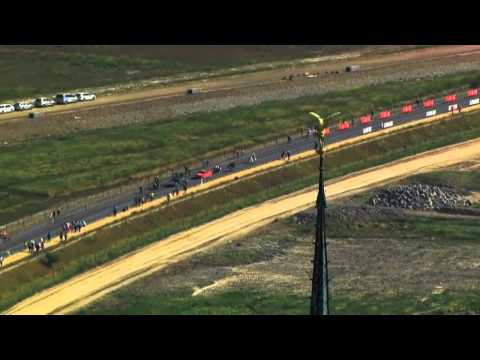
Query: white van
23	105
44	102
66	99
86	96
6	108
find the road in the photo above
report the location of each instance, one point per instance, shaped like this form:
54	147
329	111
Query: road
299	144
86	288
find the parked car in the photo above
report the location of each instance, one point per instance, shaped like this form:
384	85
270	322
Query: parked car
66	99
20	106
204	174
175	181
44	102
6	108
86	97
193	91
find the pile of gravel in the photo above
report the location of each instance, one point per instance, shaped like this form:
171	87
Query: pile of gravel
419	196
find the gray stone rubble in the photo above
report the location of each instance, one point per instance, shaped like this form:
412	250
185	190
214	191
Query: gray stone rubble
419	197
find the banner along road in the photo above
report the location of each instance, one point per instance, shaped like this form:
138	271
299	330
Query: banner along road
85	288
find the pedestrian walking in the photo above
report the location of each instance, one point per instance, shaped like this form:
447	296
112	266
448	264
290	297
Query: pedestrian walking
42	243
168	198
49	236
317	146
288	155
115	209
1	261
25	245
282	155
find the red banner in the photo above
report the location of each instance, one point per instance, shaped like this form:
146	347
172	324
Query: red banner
343	125
472	92
450	98
407	108
326	131
428	103
365	119
384	115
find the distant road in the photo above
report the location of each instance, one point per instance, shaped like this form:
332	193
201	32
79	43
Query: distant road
299	144
256	79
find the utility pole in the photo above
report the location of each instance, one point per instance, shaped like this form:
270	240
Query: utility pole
320	297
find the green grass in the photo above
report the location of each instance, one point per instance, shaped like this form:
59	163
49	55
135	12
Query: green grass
460	180
90	161
71	67
450	302
257	302
408	227
111	243
245	302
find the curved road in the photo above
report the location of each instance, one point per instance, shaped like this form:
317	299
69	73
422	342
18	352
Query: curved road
103	208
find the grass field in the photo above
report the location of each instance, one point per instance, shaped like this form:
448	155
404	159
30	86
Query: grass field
420	265
32	70
111	243
43	172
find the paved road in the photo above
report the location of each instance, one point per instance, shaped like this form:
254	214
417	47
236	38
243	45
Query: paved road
298	144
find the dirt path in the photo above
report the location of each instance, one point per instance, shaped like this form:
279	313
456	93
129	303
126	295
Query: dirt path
223	83
94	284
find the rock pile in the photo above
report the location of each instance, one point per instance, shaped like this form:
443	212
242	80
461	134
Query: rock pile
419	196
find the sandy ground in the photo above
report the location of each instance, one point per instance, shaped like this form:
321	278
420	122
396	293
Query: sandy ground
94	284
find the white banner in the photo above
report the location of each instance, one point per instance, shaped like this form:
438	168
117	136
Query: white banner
367	130
453	107
474	101
387	124
431	113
